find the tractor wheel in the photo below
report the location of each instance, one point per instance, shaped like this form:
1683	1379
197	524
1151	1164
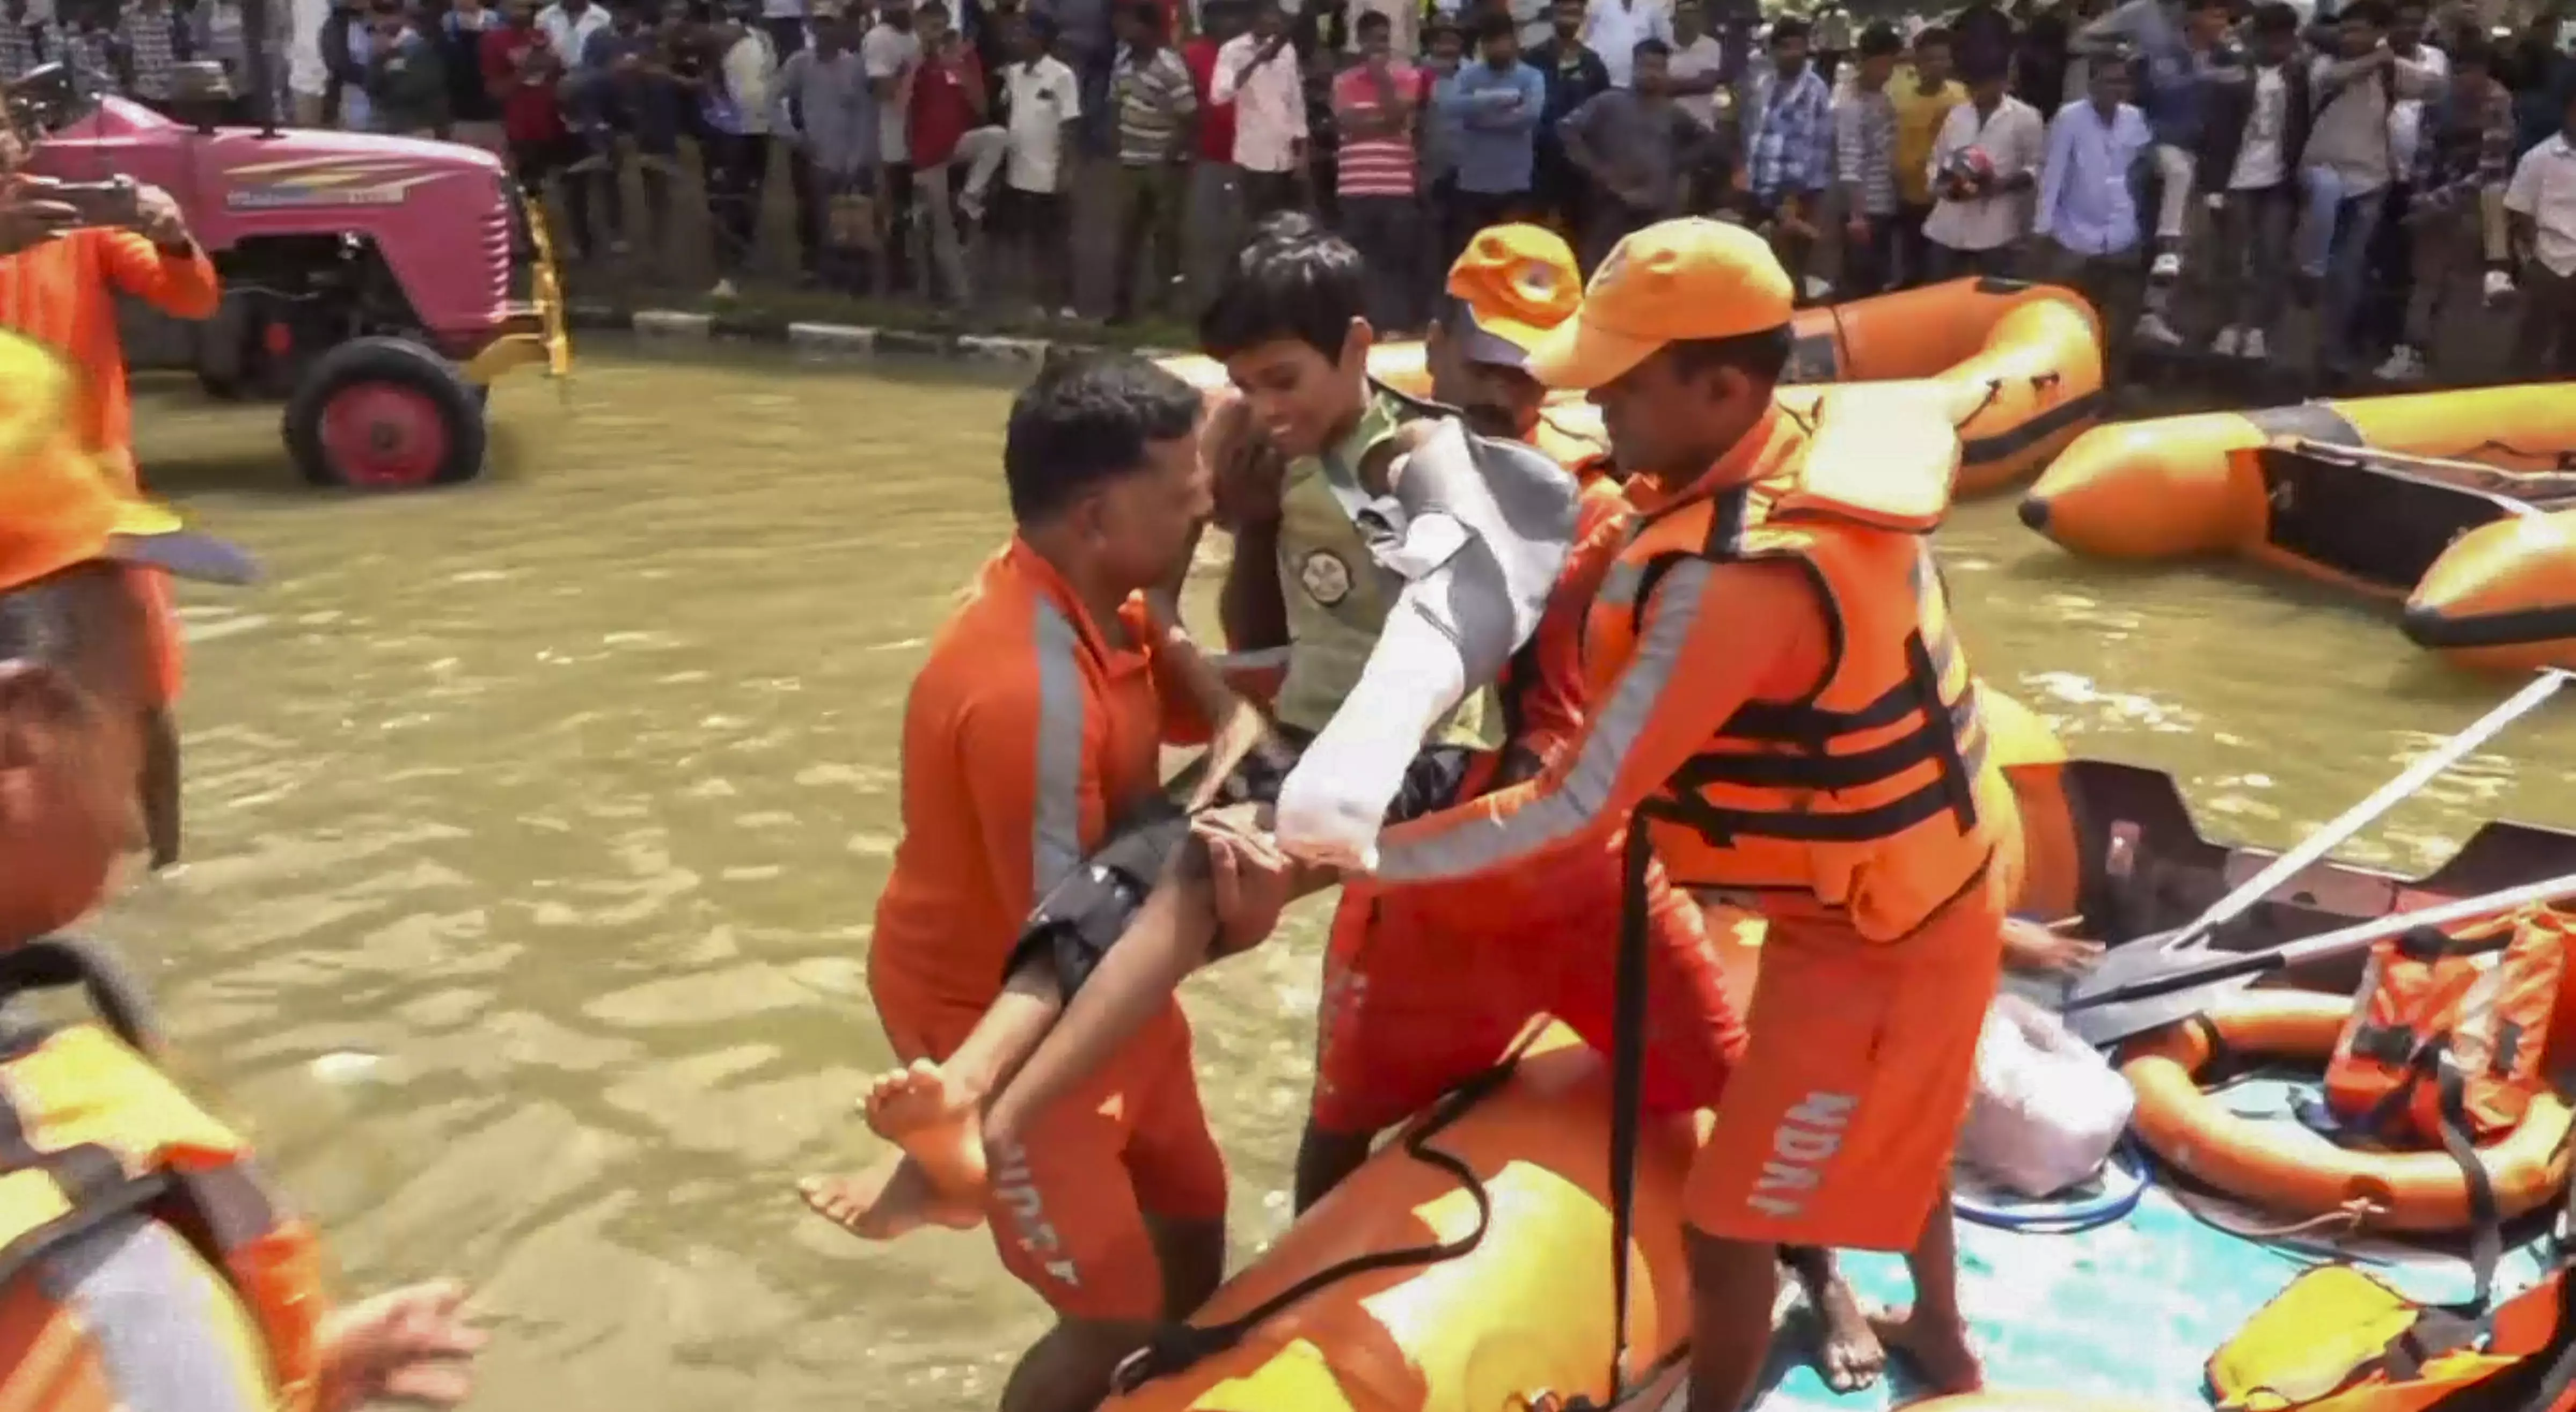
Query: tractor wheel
385	414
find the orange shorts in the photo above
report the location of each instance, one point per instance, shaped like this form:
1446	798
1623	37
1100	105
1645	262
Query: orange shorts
1425	986
1837	1128
1070	1205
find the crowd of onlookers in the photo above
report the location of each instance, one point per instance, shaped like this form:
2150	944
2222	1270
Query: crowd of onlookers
2195	166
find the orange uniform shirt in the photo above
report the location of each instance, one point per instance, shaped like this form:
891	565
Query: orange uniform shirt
62	294
1028	732
1550	708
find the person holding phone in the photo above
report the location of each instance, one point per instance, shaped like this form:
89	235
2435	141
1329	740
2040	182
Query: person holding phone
66	251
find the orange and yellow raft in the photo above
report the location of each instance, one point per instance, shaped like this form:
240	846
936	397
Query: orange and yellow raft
2452	502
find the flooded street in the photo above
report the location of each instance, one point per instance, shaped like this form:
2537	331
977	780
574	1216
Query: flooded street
535	829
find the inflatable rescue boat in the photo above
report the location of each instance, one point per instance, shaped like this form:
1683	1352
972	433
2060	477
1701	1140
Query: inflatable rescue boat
2457	504
2033	351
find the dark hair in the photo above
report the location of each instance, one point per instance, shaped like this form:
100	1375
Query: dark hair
2276	18
2196	6
1932	34
1490	25
2369	12
1372	20
64	620
1761	355
1086	422
1651	47
1145	13
923	8
1295	280
2472	51
1880	40
1791	28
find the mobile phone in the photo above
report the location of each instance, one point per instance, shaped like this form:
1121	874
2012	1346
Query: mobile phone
100	203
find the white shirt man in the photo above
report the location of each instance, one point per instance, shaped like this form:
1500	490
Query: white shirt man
1044	96
889	54
1269	101
2014	140
1612	29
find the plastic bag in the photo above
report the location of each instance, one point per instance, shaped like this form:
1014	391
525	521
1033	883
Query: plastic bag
2047	1108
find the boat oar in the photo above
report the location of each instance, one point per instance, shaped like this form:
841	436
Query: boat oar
2178	951
2135	1004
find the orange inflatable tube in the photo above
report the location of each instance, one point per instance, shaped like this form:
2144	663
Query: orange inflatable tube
2287	1170
2486	569
2034	351
1525	1313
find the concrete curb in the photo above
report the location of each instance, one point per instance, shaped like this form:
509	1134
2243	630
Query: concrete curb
827	340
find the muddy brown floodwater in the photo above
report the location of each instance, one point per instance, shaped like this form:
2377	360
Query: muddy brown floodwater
535	828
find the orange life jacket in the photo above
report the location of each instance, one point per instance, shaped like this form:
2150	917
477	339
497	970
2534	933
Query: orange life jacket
2446	1035
2519	1358
1872	792
91	1131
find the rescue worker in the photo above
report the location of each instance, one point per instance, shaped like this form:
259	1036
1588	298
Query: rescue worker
148	1269
1780	701
1425	986
1293	312
1031	731
62	292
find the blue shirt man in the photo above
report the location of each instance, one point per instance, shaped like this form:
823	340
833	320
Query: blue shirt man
1496	104
2087	200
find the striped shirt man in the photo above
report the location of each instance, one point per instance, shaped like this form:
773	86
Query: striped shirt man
148	32
1381	163
1865	150
1155	100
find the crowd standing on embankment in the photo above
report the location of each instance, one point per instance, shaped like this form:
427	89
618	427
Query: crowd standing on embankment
2390	166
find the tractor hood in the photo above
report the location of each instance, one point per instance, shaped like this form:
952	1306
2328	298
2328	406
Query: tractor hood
115	124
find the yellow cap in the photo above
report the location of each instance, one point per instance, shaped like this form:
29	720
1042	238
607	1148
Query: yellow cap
58	506
1673	281
1518	281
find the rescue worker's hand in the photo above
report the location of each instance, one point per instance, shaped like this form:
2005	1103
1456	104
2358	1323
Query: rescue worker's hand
2031	947
411	1343
157	217
27	219
1249	878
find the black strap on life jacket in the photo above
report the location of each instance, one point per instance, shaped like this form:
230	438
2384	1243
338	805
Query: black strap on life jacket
214	1209
1176	1348
1627	1092
56	962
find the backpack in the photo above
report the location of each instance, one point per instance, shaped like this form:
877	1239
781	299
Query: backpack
2445	1042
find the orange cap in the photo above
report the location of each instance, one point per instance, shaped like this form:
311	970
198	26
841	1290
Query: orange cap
58	507
1673	281
1518	281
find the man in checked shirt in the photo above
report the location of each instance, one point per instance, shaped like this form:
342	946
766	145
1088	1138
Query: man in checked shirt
22	41
151	38
1865	164
1788	148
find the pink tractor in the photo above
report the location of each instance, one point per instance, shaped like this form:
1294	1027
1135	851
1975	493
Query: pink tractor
376	285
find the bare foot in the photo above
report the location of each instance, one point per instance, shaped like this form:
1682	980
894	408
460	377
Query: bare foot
1849	1353
1938	1348
887	1200
935	1122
